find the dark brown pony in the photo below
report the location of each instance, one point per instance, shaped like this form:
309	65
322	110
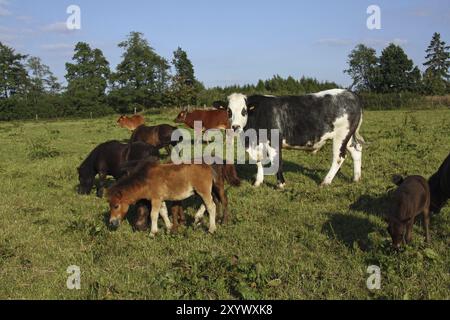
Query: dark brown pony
157	136
159	183
107	159
440	186
131	123
411	198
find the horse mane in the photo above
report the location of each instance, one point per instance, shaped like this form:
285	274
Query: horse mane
129	185
87	166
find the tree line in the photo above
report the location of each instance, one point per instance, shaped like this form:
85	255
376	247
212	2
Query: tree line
143	79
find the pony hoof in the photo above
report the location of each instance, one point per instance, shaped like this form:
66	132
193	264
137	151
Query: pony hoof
153	234
212	230
257	184
325	184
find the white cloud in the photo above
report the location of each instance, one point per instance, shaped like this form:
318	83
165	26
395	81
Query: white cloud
26	19
57	27
374	42
3	10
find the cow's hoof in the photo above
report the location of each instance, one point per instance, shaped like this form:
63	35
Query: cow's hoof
281	186
257	184
325	184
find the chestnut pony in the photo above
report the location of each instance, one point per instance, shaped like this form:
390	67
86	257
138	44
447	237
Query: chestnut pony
159	183
131	123
224	172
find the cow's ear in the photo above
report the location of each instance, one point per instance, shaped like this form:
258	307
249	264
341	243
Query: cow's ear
220	105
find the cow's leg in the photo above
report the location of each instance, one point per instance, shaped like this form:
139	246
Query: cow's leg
338	160
259	175
355	150
281	183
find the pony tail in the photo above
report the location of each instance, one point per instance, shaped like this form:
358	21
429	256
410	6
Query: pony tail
230	174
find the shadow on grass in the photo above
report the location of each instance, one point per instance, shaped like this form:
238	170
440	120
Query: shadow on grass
348	229
374	205
248	171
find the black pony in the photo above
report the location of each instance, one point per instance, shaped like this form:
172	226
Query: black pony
440	186
107	159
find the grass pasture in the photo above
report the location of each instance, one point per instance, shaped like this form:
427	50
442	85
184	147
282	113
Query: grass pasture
304	242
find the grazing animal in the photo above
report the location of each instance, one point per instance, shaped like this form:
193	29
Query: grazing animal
304	122
223	172
131	123
411	198
211	119
440	186
157	136
159	183
107	159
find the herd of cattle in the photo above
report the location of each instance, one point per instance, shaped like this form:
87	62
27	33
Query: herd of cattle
303	122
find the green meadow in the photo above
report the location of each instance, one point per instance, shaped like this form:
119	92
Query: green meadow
303	242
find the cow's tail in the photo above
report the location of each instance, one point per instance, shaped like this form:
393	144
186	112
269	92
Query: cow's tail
357	136
230	175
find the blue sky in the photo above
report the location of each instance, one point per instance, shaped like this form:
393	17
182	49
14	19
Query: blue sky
228	41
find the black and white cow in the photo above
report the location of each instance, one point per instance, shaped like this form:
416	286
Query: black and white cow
304	122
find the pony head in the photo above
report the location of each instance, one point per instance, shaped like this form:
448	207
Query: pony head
118	208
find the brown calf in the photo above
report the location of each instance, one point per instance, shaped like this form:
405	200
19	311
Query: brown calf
211	119
131	123
411	198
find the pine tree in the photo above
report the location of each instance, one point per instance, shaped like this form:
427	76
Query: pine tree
184	84
438	63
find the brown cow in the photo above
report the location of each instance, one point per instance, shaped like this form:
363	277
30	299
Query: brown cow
411	198
131	123
211	119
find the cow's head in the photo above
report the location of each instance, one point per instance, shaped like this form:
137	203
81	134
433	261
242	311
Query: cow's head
237	111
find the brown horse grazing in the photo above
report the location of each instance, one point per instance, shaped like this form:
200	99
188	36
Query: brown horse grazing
411	198
131	123
224	172
156	136
159	183
107	159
